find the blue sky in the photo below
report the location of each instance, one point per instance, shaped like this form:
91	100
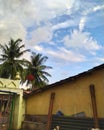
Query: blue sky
69	32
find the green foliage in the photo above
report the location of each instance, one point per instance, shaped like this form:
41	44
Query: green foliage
11	64
37	69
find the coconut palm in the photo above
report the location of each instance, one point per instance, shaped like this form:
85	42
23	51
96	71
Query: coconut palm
10	59
36	70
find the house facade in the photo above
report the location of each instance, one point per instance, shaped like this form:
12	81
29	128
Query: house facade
82	93
12	105
72	95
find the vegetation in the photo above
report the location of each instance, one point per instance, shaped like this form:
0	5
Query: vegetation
10	57
33	71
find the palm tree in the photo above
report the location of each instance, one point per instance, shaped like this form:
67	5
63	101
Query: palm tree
11	63
36	70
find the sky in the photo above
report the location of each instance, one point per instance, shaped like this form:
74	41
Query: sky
69	32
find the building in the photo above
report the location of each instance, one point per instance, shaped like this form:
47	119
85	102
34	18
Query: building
12	105
72	95
79	95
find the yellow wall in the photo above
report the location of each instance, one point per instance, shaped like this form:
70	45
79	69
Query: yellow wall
70	98
19	111
7	86
8	83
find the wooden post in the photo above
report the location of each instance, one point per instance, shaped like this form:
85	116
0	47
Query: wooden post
94	105
50	110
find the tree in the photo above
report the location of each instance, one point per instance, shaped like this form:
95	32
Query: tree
36	70
10	57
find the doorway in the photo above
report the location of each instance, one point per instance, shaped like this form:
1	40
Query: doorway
5	110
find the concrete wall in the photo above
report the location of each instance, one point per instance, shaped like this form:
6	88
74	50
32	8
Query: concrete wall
12	86
70	98
19	111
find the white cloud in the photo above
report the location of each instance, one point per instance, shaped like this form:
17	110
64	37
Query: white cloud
17	15
58	6
65	24
90	15
39	10
42	34
100	59
71	55
11	29
82	23
81	40
12	17
63	55
26	56
38	48
99	7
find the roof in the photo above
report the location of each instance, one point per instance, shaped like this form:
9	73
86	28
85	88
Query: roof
70	79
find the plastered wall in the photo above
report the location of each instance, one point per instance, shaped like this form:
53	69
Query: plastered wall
70	98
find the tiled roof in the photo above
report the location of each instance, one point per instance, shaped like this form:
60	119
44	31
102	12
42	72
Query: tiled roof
70	79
